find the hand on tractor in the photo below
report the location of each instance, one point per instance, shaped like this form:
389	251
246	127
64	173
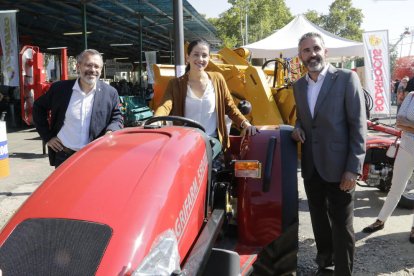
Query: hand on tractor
298	135
55	144
249	130
348	181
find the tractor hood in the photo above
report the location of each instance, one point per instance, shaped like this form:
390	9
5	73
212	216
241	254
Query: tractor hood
135	181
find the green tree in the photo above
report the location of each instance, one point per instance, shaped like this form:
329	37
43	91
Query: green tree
263	18
343	19
393	61
315	17
228	39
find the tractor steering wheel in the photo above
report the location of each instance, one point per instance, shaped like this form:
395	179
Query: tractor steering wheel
183	120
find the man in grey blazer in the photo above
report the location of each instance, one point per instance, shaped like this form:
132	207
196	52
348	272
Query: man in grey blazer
331	126
81	110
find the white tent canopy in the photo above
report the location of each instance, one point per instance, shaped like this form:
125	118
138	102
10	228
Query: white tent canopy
285	41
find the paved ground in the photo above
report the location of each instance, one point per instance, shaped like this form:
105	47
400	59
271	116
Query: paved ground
28	168
386	252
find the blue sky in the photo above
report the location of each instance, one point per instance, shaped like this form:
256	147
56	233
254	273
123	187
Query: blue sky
391	15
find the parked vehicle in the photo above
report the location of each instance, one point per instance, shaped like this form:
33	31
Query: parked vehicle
148	201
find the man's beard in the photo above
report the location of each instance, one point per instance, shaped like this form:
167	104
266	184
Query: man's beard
85	78
316	64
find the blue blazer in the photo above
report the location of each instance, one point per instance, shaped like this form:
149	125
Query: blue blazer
336	134
105	116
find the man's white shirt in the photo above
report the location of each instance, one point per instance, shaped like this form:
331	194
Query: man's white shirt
75	131
314	88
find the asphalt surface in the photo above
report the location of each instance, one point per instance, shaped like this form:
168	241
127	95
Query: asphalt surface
28	168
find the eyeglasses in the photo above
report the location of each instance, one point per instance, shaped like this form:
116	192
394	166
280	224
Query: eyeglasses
92	65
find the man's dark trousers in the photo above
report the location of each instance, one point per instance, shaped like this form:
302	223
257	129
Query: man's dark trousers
330	209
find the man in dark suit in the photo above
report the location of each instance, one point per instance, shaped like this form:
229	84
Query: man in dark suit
81	110
331	125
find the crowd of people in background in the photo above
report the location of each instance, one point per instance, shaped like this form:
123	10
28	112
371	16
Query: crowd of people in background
400	89
125	87
128	88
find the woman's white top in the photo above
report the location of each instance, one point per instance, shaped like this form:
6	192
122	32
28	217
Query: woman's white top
202	110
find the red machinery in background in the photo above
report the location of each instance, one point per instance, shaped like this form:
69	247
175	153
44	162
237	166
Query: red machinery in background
378	167
33	82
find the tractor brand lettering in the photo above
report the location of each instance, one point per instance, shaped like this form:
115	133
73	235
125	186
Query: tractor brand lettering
3	150
189	202
377	63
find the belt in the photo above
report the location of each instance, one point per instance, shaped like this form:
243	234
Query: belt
68	150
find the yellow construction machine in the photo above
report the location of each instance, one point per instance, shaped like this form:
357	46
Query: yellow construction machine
267	88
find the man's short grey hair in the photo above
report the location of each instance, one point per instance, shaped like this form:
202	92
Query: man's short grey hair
86	52
311	35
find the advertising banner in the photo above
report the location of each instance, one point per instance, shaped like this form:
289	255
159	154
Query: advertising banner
151	59
377	70
8	38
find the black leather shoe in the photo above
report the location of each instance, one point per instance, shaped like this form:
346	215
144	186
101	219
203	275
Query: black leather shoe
377	225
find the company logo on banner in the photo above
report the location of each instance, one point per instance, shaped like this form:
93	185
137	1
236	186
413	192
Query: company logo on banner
8	38
377	70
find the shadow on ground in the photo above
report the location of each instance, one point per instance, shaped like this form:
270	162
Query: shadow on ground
365	200
20	128
381	250
10	194
25	155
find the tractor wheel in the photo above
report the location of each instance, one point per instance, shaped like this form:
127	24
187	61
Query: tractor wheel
280	256
407	198
385	184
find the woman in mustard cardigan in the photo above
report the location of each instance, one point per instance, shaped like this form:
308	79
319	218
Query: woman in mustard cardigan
203	96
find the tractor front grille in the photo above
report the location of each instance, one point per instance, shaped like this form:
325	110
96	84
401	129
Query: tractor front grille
54	247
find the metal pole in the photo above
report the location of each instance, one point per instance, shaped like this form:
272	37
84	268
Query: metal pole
246	23
178	37
84	31
64	64
140	53
171	49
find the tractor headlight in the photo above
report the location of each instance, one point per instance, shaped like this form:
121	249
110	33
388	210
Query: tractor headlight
163	258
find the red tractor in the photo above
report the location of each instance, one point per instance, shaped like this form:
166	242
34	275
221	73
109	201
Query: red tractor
150	201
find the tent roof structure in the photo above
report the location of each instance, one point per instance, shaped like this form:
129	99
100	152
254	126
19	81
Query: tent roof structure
285	41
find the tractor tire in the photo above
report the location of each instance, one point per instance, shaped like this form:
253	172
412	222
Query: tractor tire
385	184
280	256
406	202
407	198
